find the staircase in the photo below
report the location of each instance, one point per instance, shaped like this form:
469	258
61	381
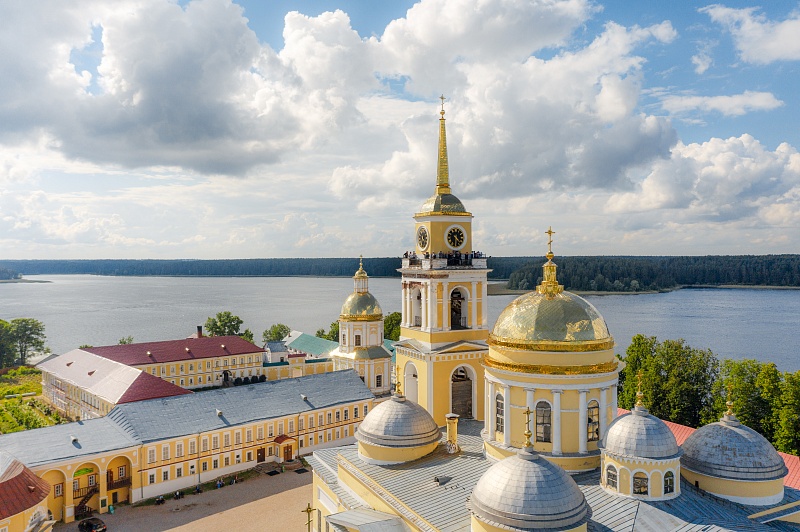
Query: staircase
81	509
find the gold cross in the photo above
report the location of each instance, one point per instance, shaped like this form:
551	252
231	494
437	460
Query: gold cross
639	393
308	511
550	234
528	432
729	402
443	99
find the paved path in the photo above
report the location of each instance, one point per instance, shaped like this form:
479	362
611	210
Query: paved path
261	504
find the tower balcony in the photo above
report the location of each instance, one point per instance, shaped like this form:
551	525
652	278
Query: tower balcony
441	261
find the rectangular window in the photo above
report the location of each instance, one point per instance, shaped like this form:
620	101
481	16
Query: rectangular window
301	442
249	456
165	475
280	428
179	472
241	360
345	432
270	450
227	461
151	455
346	414
191	367
320	420
291	426
237	438
192	447
378	381
215	463
182	382
249	435
337	434
227	439
204	445
122	471
311	421
151	478
215	442
300	423
338	416
179	449
329	418
366	409
270	433
58	490
355	412
204	466
260	433
76	484
182	366
165	452
208	365
358	340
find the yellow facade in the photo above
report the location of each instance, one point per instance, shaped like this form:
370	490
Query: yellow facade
641	478
201	373
740	491
22	521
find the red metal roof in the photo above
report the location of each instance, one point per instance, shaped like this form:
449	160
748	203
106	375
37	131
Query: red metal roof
681	432
282	438
147	386
20	488
175	350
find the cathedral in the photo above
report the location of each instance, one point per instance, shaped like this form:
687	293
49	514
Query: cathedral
533	438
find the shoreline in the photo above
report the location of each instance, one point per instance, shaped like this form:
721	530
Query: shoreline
499	289
11	281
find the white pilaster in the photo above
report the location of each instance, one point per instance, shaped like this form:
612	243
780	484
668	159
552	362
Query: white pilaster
557	421
507	415
433	299
474	302
484	302
583	422
603	410
529	400
430	386
613	402
424	308
490	419
405	306
446	306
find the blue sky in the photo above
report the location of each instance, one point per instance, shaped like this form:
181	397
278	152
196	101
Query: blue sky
217	129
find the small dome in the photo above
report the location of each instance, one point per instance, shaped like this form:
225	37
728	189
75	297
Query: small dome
728	449
551	322
443	203
398	423
640	435
527	492
361	305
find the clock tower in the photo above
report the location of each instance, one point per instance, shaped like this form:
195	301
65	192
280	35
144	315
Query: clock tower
444	325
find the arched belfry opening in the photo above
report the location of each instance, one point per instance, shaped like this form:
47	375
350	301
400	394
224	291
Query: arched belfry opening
410	383
416	308
459	306
461	392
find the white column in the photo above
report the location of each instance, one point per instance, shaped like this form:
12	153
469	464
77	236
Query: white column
405	305
557	421
473	299
433	302
446	306
484	302
507	415
613	402
529	399
430	385
490	419
603	410
583	421
424	308
487	392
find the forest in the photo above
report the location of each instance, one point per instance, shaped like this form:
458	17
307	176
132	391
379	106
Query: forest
601	273
633	274
7	274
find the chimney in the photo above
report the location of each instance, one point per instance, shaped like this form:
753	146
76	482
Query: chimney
452	433
199	331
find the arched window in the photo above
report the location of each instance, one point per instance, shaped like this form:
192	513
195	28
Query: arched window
611	477
543	422
640	484
593	422
669	482
499	408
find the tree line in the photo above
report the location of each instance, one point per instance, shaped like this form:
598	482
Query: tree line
7	273
632	274
691	386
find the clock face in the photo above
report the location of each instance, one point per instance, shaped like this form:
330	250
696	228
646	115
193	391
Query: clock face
455	237
422	237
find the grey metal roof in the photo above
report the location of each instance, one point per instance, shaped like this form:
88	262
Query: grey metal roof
527	492
728	449
160	419
444	505
398	423
640	435
51	444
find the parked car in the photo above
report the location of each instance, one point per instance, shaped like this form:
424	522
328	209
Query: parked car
92	524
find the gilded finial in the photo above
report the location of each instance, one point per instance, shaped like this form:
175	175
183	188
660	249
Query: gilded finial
443	168
361	262
549	286
443	99
639	394
729	402
528	432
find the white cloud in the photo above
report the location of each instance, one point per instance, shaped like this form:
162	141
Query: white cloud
733	105
758	39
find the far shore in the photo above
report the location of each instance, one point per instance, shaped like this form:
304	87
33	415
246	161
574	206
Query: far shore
499	289
22	281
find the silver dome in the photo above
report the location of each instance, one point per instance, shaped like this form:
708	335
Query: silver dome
641	435
728	449
398	423
526	492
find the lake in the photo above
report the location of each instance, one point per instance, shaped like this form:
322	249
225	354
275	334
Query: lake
96	310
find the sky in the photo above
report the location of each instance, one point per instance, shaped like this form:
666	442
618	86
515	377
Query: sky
217	129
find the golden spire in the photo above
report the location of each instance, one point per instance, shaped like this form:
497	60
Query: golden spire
549	286
528	432
639	393
442	170
729	402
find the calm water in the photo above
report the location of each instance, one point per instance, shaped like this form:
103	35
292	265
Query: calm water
85	309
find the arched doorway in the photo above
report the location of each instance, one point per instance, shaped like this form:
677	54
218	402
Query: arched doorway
416	308
410	383
461	392
458	309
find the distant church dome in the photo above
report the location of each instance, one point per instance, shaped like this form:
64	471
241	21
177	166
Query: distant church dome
550	319
527	492
641	435
397	431
361	305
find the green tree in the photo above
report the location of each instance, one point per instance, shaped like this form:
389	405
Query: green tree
27	337
224	324
332	334
677	379
247	335
276	333
125	340
787	434
6	345
391	326
755	391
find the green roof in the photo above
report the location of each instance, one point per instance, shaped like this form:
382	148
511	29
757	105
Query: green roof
312	345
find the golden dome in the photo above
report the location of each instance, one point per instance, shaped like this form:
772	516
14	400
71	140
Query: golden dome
361	306
443	203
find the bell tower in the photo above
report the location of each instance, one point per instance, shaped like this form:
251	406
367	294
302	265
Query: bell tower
444	325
